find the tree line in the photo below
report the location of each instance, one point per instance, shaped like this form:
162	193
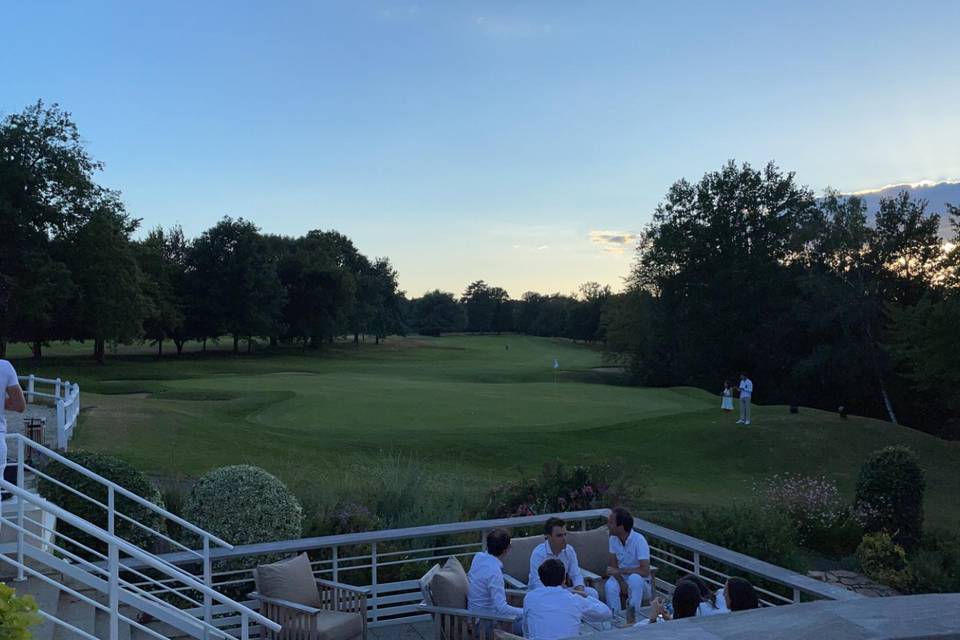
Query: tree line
70	268
747	271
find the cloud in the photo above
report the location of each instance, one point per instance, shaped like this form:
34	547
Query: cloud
905	185
614	241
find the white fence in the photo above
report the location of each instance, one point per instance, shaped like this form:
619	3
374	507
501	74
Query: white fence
66	397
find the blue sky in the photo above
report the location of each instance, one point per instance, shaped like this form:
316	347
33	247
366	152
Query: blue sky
509	141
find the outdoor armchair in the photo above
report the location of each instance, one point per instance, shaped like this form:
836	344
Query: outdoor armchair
309	608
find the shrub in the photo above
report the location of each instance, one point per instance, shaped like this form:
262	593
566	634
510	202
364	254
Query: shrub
754	531
353	518
243	504
885	561
889	495
936	564
559	488
17	614
822	521
115	470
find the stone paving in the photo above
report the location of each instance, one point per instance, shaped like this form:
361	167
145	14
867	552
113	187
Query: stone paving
854	582
15	422
415	631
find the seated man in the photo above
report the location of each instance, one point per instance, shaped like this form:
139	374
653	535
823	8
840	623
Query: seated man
629	563
551	612
485	590
555	547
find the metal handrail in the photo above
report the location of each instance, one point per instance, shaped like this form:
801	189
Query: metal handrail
119	489
143	558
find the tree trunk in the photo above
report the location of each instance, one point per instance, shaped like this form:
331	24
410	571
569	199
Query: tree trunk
273	341
37	349
159	349
179	345
887	404
356	338
99	350
204	345
249	344
377	340
236	343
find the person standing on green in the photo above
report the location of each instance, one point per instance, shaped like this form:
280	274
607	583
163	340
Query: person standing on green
746	391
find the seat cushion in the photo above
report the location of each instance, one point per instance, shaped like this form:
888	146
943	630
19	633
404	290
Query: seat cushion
592	547
288	580
338	625
517	561
448	588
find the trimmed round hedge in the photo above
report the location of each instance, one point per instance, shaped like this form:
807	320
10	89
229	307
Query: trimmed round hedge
889	495
243	504
115	470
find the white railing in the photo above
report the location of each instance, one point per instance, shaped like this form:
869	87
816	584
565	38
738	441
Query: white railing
32	457
111	577
391	562
66	398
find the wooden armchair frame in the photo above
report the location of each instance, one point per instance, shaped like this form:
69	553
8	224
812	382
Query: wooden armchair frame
301	622
463	624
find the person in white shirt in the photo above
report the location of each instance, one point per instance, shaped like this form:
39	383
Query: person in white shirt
629	564
685	601
746	390
555	547
13	400
485	589
711	603
551	612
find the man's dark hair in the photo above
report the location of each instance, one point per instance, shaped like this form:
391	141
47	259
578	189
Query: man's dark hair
552	572
622	518
706	593
686	599
550	524
497	542
742	595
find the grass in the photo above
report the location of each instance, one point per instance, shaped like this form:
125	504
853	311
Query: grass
469	411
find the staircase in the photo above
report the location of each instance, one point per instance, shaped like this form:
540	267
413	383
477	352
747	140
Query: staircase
126	592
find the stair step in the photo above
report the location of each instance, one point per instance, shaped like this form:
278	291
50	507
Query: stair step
79	613
47	598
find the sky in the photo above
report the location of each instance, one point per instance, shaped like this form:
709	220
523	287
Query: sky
522	143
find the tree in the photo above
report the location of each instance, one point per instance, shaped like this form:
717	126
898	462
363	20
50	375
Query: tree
161	257
47	190
436	312
486	308
110	282
388	300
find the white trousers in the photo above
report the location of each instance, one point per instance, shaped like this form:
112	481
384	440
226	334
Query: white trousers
745	409
638	587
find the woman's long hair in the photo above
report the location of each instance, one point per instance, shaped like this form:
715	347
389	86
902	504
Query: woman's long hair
706	593
742	595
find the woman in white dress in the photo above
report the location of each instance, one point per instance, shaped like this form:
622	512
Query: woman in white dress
727	403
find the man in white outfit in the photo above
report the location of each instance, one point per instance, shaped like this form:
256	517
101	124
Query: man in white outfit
13	400
629	563
555	547
552	612
485	588
746	390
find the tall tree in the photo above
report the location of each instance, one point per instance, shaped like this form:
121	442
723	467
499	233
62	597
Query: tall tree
436	312
161	257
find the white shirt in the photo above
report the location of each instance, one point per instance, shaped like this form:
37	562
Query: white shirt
630	555
485	591
552	613
8	378
567	555
746	388
709	609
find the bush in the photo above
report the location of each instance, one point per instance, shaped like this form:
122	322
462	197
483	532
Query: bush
17	614
243	504
762	533
936	564
889	495
822	521
115	470
559	488
885	561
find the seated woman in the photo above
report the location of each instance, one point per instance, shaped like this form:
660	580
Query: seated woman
740	595
711	603
686	601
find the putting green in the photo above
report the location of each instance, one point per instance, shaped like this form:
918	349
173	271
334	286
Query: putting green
470	407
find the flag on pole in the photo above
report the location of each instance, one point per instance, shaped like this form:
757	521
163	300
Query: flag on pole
556	364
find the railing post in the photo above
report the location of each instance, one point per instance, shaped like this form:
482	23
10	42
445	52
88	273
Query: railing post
21	452
30	387
373	579
61	426
244	627
114	588
336	564
111	510
57	392
796	596
208	581
696	562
